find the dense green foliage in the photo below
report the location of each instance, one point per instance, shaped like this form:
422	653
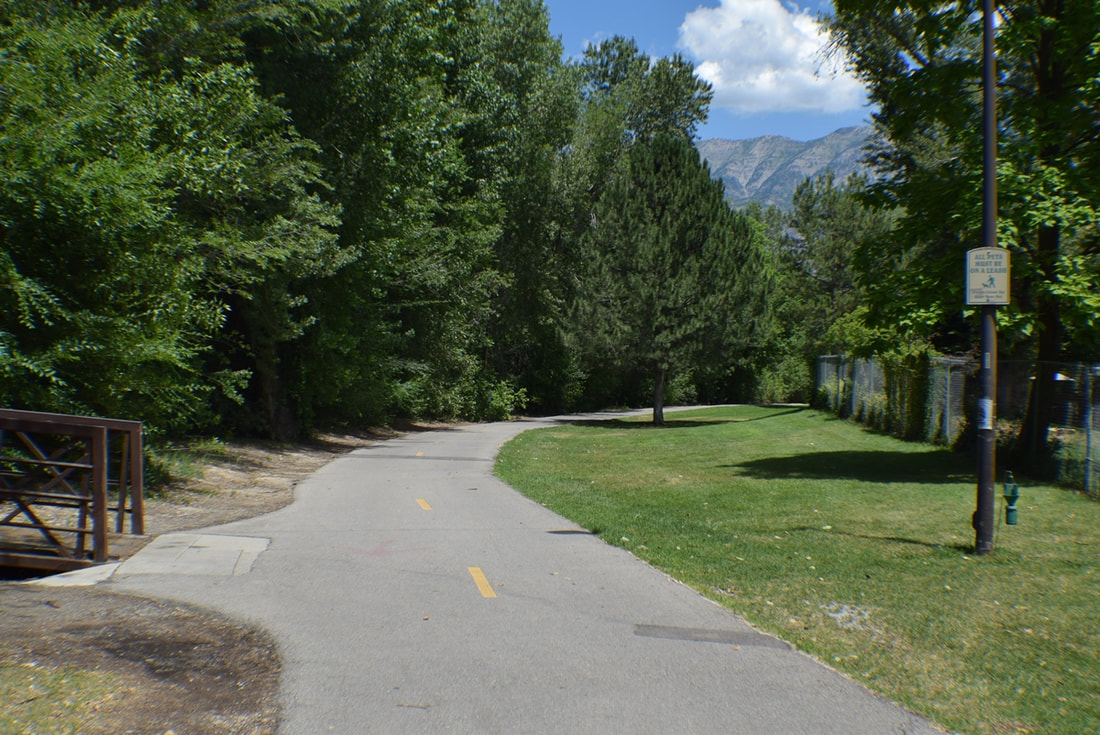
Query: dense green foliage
269	216
922	65
816	300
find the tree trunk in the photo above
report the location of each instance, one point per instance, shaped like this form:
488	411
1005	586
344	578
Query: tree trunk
659	397
1032	448
277	412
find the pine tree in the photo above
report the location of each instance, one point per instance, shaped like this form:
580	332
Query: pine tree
667	257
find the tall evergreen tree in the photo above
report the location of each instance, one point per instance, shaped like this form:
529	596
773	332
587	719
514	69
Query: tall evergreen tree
624	99
627	100
666	258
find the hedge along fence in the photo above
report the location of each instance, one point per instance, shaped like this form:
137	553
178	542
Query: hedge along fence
923	398
889	393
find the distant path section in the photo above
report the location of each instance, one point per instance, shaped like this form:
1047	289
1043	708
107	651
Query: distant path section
411	591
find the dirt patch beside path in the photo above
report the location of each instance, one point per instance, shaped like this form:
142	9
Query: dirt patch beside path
172	668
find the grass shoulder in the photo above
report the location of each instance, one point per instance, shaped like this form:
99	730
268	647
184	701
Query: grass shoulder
853	546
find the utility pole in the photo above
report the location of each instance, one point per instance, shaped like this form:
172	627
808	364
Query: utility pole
984	516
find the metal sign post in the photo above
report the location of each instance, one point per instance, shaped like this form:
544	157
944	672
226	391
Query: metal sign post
987	284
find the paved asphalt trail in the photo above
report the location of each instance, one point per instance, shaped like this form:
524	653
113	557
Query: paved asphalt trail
413	592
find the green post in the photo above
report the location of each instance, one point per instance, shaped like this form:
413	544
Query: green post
1012	494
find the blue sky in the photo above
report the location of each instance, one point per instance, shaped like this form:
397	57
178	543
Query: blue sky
761	56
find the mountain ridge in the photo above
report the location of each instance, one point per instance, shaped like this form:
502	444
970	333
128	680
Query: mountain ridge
767	169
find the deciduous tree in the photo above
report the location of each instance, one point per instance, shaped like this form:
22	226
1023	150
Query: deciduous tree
101	303
921	62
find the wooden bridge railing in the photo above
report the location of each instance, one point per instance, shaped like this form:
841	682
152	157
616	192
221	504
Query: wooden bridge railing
57	474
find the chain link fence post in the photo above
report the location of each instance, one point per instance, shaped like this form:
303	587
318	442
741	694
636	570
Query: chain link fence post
1090	375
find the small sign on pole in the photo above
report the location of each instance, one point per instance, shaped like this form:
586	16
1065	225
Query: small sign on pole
987	277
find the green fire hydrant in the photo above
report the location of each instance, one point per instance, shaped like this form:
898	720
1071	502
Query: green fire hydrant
1012	494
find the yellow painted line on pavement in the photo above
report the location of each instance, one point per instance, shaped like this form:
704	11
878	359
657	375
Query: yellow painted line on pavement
481	582
423	503
420	453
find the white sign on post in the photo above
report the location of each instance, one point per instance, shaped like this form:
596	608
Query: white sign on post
987	276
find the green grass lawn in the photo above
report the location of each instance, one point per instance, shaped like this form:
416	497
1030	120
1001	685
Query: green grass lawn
853	546
48	701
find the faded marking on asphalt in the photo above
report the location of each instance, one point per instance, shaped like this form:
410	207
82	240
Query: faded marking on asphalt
423	503
481	582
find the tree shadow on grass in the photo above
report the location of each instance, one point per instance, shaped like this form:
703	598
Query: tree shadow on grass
964	548
865	466
669	425
673	422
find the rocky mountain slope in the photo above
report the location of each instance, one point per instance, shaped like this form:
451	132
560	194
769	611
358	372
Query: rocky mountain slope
769	168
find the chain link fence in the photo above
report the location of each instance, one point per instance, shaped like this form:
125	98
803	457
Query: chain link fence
932	399
851	387
945	410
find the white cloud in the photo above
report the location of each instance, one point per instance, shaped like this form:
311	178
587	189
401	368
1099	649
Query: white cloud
761	56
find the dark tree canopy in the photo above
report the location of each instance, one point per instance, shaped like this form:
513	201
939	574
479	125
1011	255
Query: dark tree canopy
269	217
922	66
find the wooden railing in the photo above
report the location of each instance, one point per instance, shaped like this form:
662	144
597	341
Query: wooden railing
61	478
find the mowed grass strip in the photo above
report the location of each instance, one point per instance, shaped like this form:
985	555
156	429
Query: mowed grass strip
45	700
853	546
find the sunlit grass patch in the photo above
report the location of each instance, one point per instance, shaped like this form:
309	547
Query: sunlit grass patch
50	701
853	546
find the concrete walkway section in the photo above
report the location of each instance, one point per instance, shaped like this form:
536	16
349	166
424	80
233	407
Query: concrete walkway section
413	592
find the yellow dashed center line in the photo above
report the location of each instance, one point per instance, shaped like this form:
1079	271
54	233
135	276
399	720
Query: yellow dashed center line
423	503
481	582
